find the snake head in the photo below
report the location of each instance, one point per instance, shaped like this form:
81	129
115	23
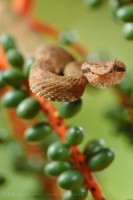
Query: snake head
102	74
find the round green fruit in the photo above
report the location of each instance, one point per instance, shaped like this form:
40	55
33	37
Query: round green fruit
28	108
15	58
55	168
70	180
27	65
93	3
38	132
13	77
101	160
93	147
12	98
116	113
68	37
58	151
2	180
74	135
128	31
114	6
125	13
7	42
2	81
126	84
80	194
69	109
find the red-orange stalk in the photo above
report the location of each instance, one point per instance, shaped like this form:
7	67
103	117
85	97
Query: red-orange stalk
18	128
22	7
77	158
60	127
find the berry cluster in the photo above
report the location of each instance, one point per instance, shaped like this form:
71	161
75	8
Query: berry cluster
71	167
122	114
122	10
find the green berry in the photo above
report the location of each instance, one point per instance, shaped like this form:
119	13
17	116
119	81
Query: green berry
27	65
7	42
93	3
28	108
74	135
126	84
114	6
125	13
4	136
68	37
18	156
21	165
38	132
58	151
2	81
13	77
55	168
69	109
128	31
2	180
12	98
15	58
80	194
70	180
101	160
16	150
50	140
35	166
116	113
93	147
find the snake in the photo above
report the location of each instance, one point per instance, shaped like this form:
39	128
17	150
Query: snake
57	76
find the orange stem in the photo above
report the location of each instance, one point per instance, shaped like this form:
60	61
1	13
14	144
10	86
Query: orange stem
33	151
60	127
42	27
79	49
77	158
58	124
22	7
19	128
3	61
50	30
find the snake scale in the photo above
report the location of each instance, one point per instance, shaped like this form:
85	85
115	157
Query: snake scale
57	76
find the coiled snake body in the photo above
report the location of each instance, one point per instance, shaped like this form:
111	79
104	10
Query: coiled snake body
56	75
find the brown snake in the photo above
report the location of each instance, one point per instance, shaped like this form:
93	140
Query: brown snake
56	75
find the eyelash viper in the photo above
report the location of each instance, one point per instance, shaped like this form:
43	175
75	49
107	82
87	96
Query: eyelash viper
57	76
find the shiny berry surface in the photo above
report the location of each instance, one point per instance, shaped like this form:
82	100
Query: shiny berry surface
56	168
37	132
28	108
71	179
74	135
58	151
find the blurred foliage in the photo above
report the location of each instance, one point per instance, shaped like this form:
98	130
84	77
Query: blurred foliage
97	30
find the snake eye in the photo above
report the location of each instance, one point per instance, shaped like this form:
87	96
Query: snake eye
118	68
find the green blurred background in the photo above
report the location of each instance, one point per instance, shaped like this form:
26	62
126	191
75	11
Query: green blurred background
98	30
